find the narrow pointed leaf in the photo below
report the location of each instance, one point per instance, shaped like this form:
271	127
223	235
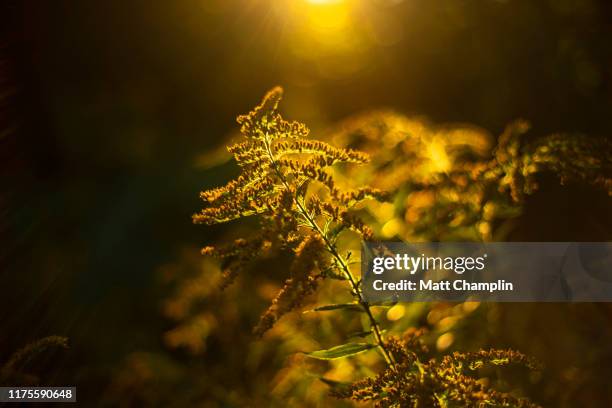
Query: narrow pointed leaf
384	303
351	307
345	350
336	385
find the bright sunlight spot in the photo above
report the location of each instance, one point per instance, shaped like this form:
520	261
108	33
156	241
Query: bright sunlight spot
324	1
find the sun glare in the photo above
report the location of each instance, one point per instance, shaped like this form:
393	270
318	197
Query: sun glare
325	1
328	33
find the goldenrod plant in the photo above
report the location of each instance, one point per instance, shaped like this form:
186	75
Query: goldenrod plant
416	381
279	173
454	182
286	180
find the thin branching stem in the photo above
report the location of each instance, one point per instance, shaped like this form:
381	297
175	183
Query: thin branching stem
331	248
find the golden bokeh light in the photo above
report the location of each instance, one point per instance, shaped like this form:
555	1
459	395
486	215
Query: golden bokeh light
445	341
338	37
396	312
325	2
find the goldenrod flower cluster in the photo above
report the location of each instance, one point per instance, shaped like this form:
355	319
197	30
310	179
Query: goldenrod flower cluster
284	180
446	382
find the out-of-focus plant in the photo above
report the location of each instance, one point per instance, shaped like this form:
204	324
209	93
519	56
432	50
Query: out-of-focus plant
16	370
287	181
452	183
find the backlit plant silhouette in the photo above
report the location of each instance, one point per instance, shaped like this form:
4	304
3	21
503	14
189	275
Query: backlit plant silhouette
453	183
286	181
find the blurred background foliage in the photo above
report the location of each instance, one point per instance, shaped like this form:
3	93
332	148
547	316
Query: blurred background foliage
115	114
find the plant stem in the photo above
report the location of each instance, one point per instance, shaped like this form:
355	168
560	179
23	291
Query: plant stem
331	248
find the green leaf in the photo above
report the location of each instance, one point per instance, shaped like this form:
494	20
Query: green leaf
384	303
352	307
345	350
334	384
